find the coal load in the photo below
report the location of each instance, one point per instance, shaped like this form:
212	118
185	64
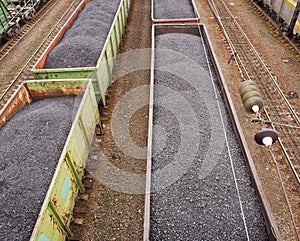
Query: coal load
30	146
82	44
173	9
194	196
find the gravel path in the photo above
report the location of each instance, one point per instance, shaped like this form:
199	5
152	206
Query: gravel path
172	9
194	196
111	214
31	144
82	44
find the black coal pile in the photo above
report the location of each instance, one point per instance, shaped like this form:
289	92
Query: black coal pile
173	9
30	146
82	44
195	195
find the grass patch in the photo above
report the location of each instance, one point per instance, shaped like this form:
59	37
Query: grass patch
49	25
10	75
274	34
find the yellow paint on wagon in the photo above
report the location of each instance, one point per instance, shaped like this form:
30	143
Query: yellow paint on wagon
297	26
291	3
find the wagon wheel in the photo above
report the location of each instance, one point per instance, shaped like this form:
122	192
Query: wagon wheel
12	31
29	14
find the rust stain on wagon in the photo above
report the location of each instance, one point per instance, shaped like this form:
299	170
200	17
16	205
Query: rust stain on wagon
16	104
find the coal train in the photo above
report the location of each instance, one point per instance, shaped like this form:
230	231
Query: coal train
51	218
286	14
13	13
91	83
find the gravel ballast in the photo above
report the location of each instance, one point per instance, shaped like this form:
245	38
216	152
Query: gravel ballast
170	9
193	192
82	44
31	144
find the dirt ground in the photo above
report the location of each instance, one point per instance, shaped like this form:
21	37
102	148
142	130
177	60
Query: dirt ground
10	66
114	215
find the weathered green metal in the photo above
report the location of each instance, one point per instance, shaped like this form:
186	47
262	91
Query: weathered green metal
59	220
55	215
66	181
75	173
102	72
4	25
55	87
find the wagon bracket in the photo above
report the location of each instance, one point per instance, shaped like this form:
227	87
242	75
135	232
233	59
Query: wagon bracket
59	219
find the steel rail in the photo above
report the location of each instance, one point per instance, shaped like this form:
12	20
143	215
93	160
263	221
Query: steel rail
284	150
261	62
282	95
28	65
263	65
269	73
243	71
284	192
238	39
295	45
27	28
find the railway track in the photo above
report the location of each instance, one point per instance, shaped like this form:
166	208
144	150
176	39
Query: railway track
264	12
24	73
277	111
9	46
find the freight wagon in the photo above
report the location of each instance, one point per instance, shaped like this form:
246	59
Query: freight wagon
287	14
101	71
47	214
15	12
55	212
180	12
158	193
